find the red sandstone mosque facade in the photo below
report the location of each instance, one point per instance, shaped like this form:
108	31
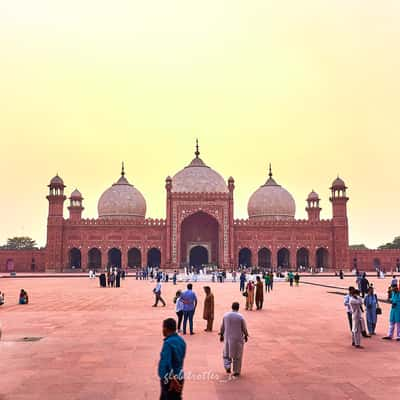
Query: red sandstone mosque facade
199	229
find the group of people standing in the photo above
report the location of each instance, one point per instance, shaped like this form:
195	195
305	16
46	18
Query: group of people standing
254	291
356	300
112	277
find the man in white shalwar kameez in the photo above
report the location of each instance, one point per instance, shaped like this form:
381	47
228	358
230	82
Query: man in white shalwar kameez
355	304
233	333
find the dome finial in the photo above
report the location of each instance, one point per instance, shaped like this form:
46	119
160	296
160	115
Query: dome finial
270	171
197	152
123	169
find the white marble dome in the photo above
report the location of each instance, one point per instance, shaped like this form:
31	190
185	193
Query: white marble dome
197	177
271	202
122	200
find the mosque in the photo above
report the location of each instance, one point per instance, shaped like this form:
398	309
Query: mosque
199	229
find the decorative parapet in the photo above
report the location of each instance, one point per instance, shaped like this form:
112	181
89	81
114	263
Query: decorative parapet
294	223
200	196
120	221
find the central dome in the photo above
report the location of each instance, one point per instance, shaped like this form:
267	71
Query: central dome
271	202
122	200
197	177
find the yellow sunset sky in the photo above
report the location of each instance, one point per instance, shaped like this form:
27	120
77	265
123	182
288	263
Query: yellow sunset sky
311	86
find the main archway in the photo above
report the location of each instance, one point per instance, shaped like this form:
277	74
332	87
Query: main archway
199	230
198	256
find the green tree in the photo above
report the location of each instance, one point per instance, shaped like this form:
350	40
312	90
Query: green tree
393	245
20	243
358	247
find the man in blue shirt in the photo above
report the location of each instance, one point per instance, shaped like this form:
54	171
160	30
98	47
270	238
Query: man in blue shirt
189	300
170	367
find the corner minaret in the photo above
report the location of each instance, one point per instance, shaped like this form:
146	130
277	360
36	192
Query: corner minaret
55	223
339	199
313	209
56	197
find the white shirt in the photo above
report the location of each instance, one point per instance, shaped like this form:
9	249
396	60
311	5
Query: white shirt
158	287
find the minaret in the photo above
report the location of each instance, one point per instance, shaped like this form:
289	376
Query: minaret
339	199
75	206
313	209
55	223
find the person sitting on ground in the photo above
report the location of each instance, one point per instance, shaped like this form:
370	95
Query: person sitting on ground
23	297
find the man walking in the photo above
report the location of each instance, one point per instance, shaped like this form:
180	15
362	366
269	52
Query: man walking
170	367
259	293
189	300
242	281
157	293
233	333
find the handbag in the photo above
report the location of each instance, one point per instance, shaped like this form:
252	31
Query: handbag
378	311
245	294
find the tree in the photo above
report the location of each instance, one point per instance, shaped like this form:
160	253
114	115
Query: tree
393	245
20	243
358	247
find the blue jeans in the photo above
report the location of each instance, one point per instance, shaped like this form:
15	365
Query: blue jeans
188	315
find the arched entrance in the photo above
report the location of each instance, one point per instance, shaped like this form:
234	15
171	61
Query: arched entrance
303	258
114	258
283	258
134	258
264	258
199	229
245	257
198	256
377	263
75	258
322	258
94	259
154	257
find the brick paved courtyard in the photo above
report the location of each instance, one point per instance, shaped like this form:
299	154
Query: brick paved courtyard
104	344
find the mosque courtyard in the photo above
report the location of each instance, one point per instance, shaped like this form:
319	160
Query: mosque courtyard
104	343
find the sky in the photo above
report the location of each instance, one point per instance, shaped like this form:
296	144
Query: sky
311	86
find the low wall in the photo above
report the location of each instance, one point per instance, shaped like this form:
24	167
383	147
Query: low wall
369	260
22	260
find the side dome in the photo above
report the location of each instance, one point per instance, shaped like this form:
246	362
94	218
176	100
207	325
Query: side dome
122	200
271	202
197	177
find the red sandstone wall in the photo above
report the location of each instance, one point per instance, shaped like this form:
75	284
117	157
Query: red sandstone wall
366	260
21	260
90	234
292	235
